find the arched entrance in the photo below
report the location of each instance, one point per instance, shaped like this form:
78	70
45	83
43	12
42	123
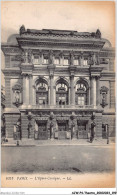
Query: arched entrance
82	129
41	129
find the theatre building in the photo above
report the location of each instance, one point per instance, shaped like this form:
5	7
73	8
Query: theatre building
58	85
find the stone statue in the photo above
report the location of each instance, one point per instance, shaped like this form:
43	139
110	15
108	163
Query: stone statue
30	56
22	29
17	98
98	34
71	58
51	60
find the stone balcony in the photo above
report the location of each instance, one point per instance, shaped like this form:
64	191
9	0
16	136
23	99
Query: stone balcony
60	107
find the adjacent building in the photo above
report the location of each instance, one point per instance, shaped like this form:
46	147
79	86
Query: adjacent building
2	111
58	85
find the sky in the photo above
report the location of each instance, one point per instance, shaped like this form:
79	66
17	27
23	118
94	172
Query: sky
70	15
83	16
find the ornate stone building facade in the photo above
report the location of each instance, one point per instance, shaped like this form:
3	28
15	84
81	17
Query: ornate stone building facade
58	84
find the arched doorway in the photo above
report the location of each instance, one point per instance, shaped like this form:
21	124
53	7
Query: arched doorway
41	129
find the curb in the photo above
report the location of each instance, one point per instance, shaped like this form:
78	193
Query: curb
37	145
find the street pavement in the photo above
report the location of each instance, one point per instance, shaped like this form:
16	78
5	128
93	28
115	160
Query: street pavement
64	157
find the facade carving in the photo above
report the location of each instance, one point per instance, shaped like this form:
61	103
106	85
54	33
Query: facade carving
63	84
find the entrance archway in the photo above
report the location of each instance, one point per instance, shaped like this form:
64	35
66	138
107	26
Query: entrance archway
41	130
82	129
62	129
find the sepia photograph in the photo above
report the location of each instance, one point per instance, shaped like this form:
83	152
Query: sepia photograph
58	94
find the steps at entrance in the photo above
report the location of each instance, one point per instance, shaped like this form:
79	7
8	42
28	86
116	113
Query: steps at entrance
32	142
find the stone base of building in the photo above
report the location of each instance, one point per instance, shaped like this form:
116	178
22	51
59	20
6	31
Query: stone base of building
51	125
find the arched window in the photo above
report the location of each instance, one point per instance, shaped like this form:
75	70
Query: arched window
81	97
61	93
41	92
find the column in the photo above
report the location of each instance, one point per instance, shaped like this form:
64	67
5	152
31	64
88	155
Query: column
30	90
94	59
89	95
7	92
54	95
40	58
97	91
48	95
94	94
72	91
51	91
71	58
81	59
34	95
97	59
69	95
93	91
27	90
26	56
61	59
24	89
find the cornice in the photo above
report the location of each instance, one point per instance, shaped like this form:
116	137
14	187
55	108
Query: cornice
107	53
59	109
27	66
108	74
57	33
11	71
60	43
11	111
109	113
10	49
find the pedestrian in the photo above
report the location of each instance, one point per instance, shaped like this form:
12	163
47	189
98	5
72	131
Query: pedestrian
92	132
107	131
89	135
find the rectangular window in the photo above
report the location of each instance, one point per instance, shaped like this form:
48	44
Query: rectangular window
36	60
81	100
76	62
41	100
45	60
66	61
85	62
56	61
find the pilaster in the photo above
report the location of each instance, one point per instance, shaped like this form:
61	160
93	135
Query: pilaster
24	125
81	59
72	90
97	90
51	69
24	89
98	120
93	91
61	58
72	70
40	57
34	95
7	92
51	90
30	90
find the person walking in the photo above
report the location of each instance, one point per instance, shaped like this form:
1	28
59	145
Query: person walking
89	135
92	132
